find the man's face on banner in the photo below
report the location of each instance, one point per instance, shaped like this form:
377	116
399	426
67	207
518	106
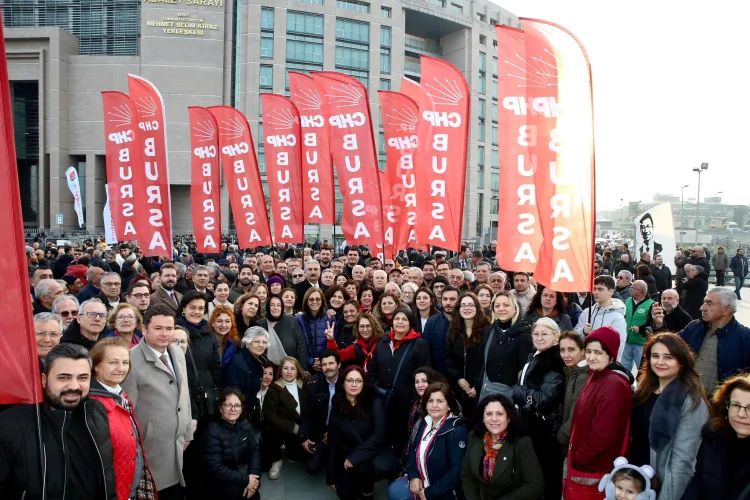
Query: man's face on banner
647	229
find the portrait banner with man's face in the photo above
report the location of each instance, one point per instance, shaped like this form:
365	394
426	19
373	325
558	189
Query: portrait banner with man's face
654	233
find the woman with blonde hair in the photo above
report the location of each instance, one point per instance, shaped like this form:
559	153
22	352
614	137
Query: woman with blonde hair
125	321
222	324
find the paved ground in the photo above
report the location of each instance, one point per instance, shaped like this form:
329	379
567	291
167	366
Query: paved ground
743	306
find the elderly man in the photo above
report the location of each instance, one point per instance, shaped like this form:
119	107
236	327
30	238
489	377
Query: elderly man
39	275
417	276
267	267
497	281
624	283
721	343
669	316
482	274
625	264
312	275
695	290
523	290
48	328
396	276
637	315
456	279
379	280
111	290
46	292
87	328
66	306
698	258
93	287
389	265
359	274
327	277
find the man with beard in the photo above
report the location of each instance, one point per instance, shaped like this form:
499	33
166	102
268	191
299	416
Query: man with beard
436	329
312	275
326	253
313	431
166	293
77	452
497	281
66	307
669	316
428	272
352	259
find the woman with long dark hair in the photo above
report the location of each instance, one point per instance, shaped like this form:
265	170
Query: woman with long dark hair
463	354
367	333
573	354
723	466
669	410
313	322
500	460
247	311
335	298
357	432
344	328
423	307
386	308
548	303
484	293
423	377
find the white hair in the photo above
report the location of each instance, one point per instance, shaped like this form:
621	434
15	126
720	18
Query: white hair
63	298
469	276
726	297
417	270
87	302
408	285
251	333
44	287
48	316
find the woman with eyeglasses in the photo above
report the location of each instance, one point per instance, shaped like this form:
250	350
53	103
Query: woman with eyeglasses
246	368
408	291
463	355
284	328
125	321
367	333
539	396
181	338
110	364
669	410
313	322
247	311
282	412
723	466
202	359
436	450
289	298
231	451
423	307
225	332
357	432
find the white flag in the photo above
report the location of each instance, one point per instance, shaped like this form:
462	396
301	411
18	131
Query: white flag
109	228
72	177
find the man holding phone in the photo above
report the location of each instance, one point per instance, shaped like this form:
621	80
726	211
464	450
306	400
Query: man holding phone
668	316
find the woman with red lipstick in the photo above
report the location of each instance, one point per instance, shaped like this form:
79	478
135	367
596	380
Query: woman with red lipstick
669	409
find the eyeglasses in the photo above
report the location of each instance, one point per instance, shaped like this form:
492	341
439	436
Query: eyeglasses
734	408
229	406
543	335
354	381
140	296
129	317
298	276
51	335
179	342
112	285
66	314
365	327
468	306
622	277
94	315
314	299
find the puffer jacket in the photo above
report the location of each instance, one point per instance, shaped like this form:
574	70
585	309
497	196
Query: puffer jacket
507	354
127	443
205	353
314	331
575	378
231	453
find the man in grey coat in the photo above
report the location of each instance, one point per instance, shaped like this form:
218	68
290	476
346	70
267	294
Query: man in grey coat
720	261
158	387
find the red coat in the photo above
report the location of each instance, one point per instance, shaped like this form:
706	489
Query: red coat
123	443
600	421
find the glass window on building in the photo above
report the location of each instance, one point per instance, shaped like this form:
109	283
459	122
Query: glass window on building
480	156
266	77
480	16
353	31
482	109
495	159
385	84
353	48
267	19
494	112
260	137
494	205
262	162
480	214
494	135
482	62
493	90
439	3
353	5
385	36
457	8
482	40
385	12
482	83
495	180
310	2
385	61
362	76
494	67
304	23
304	49
481	131
266	45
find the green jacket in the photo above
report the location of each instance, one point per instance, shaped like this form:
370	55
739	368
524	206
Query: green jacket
638	316
514	478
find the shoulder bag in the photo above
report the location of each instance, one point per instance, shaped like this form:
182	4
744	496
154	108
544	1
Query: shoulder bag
207	398
387	394
491	388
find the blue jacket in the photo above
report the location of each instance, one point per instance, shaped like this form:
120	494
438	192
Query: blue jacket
314	331
88	292
246	373
444	459
230	349
733	353
435	332
738	265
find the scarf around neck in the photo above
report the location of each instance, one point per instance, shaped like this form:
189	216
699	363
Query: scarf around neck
491	450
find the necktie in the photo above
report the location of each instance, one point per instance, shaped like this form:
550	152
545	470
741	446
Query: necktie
174	297
164	360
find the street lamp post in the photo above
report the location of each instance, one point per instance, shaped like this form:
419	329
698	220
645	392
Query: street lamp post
704	166
682	212
622	218
716	200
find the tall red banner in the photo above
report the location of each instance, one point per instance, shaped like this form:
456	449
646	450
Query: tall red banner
400	116
318	197
155	234
389	220
281	131
353	149
205	200
518	219
443	132
563	143
243	178
126	190
411	89
19	376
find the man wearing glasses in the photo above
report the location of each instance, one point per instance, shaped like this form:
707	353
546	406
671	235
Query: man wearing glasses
67	308
48	328
86	329
139	296
110	294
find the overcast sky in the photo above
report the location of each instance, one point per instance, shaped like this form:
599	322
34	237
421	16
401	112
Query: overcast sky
671	90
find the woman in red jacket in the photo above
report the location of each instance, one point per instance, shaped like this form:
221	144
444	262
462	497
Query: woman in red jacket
110	365
367	332
601	417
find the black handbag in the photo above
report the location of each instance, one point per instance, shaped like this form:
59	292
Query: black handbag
208	399
387	394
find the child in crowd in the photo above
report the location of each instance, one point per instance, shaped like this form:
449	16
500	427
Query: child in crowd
628	482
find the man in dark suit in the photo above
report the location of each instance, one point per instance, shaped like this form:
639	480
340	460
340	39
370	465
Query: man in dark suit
312	275
647	232
201	278
166	293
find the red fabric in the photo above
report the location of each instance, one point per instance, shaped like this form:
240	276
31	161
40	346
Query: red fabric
409	336
123	445
79	271
602	412
205	178
19	365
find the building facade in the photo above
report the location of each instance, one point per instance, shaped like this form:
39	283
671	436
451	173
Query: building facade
63	53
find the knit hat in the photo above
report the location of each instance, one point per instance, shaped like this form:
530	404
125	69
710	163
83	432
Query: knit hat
439	279
275	278
608	337
549	323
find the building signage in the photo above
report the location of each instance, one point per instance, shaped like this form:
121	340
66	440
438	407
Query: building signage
182	25
200	3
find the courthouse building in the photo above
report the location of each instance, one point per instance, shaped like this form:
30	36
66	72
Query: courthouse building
63	53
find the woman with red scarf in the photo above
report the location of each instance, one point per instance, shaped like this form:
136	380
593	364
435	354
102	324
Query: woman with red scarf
367	334
402	351
436	450
500	461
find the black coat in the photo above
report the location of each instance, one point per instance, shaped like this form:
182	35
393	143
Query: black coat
701	261
662	276
382	368
291	337
723	467
463	363
73	335
357	439
676	321
541	395
695	292
280	408
61	264
205	353
246	372
21	472
314	420
508	353
231	452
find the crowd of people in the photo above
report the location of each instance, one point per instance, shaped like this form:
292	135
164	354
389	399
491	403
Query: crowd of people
450	378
